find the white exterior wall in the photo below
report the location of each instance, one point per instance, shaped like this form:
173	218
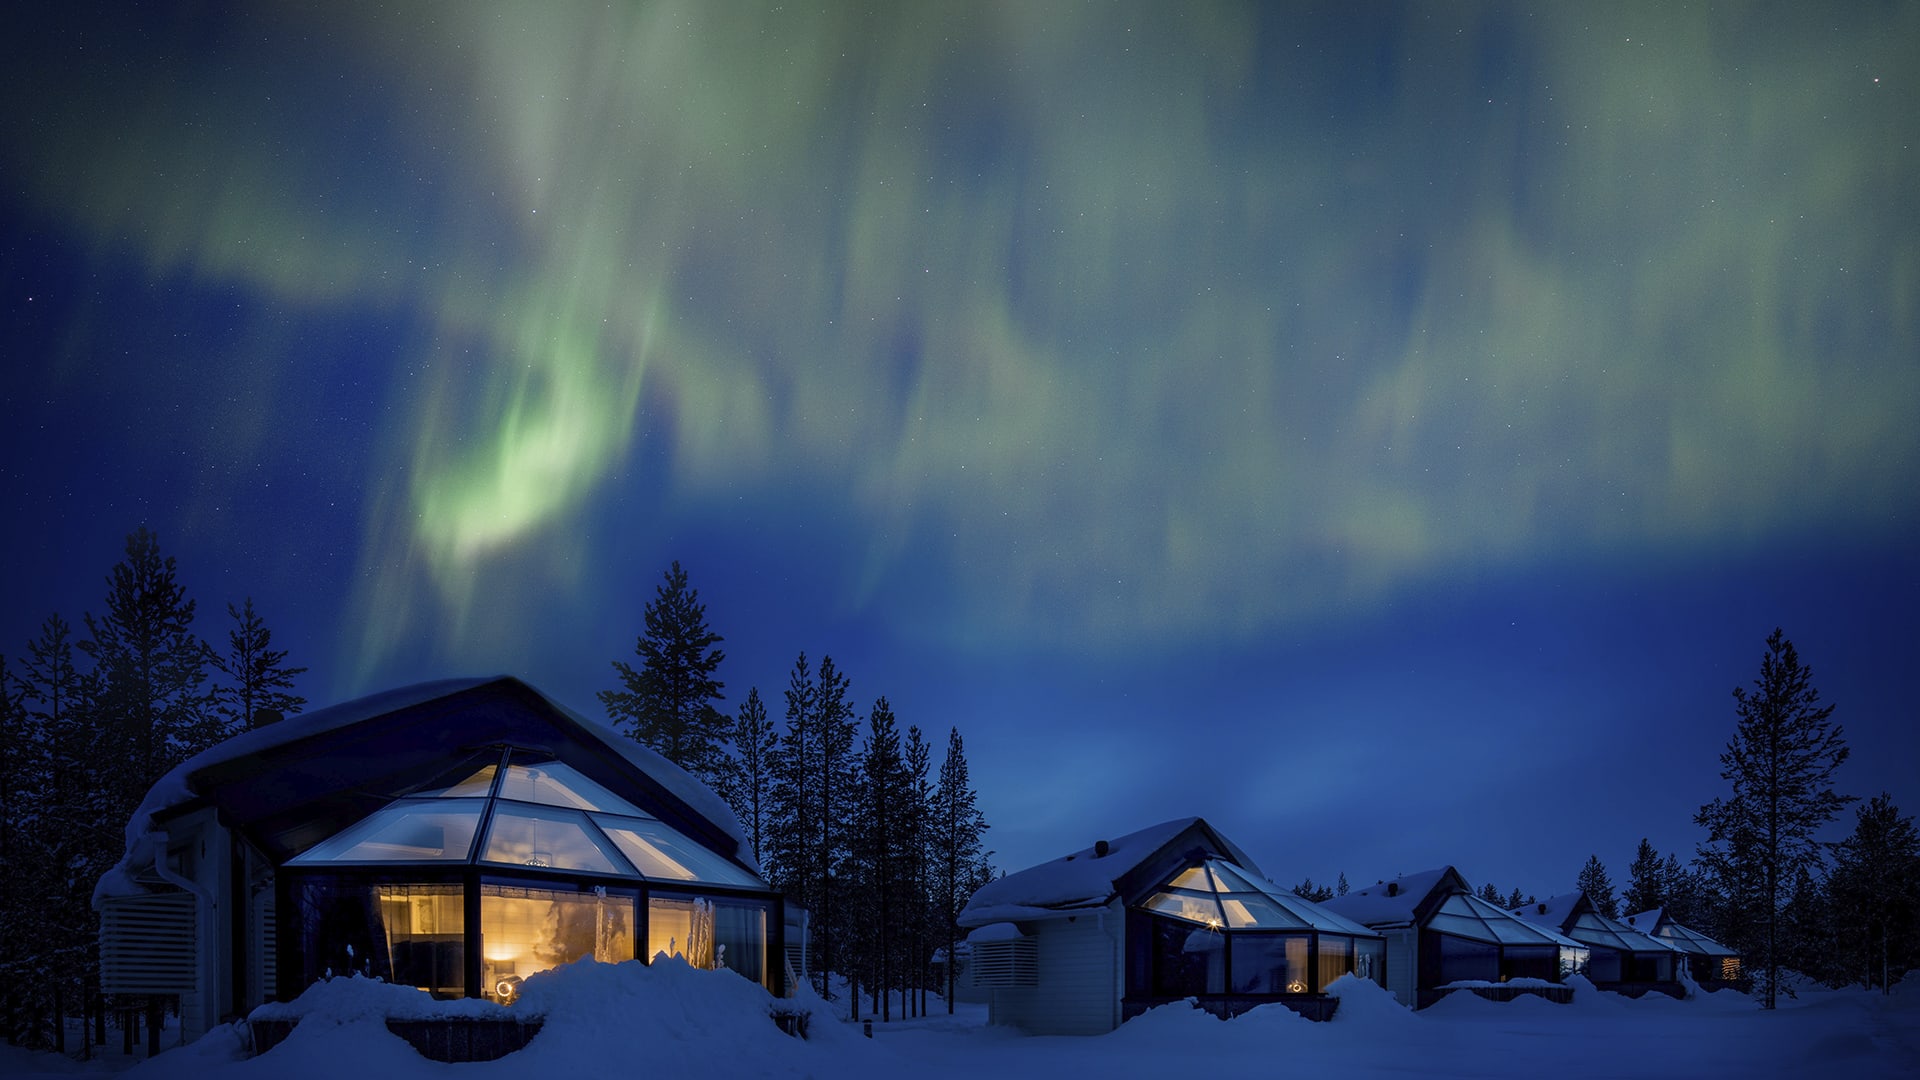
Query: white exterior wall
1079	965
1403	964
199	846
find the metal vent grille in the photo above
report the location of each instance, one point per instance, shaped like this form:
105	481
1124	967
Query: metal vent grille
1005	963
147	944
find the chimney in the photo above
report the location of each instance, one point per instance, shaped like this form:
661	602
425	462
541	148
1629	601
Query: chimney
1543	909
1393	888
1100	849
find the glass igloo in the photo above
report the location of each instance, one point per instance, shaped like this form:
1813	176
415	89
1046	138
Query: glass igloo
514	863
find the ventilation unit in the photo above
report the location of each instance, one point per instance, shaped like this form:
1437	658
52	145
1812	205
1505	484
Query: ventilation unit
1005	963
146	944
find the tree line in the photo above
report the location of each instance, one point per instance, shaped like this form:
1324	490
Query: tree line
89	720
1764	882
850	821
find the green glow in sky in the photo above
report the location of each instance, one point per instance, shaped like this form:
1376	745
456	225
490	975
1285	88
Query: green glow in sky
1131	322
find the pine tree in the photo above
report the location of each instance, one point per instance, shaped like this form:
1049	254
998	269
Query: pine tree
958	861
152	672
919	760
834	775
260	688
1307	890
74	827
1593	881
1682	895
667	704
1514	900
1875	895
1780	764
1806	944
1490	893
1646	880
880	836
793	827
747	781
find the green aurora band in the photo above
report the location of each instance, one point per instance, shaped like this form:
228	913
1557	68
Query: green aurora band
1142	323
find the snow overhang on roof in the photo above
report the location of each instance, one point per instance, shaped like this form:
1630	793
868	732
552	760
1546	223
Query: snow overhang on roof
295	783
1392	903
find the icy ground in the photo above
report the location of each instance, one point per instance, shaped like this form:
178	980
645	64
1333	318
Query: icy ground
671	1021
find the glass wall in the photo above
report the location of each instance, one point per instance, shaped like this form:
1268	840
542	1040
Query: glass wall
413	935
711	933
1530	962
1271	963
1188	960
524	930
1462	959
1603	965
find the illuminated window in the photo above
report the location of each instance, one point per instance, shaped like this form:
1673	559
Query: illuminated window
412	935
710	933
524	930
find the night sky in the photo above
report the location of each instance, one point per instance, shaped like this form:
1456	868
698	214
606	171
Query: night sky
1389	431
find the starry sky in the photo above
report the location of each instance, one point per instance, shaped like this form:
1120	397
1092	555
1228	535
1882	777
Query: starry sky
1387	430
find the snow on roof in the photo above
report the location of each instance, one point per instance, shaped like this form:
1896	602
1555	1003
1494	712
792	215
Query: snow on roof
1387	902
176	789
1078	881
1590	928
995	931
1676	936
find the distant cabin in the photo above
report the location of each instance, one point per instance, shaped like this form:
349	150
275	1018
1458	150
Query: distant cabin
1710	964
1442	938
1621	959
1077	945
454	836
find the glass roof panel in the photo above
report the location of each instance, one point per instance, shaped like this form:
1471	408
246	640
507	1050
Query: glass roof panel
479	784
540	836
662	853
1259	910
552	783
1232	880
1193	877
1186	905
414	830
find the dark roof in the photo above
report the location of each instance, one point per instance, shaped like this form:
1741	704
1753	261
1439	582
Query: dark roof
288	787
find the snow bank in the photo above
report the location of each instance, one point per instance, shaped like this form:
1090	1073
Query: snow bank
1363	1001
354	998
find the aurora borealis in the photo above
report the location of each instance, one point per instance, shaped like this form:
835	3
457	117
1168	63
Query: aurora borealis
1349	384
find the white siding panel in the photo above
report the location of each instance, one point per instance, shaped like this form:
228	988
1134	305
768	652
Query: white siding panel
1402	965
1077	991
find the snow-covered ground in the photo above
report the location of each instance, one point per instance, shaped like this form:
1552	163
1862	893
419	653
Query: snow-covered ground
669	1020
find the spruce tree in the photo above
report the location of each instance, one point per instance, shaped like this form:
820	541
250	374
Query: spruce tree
1780	765
1593	881
879	846
151	671
1646	880
1341	887
667	704
919	759
834	774
1514	901
793	828
1488	892
958	862
1875	895
260	684
748	777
